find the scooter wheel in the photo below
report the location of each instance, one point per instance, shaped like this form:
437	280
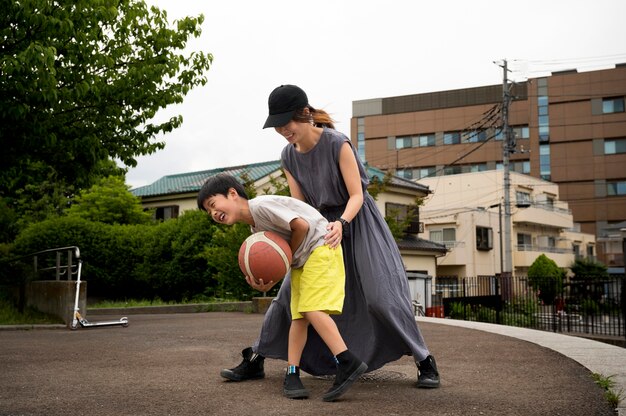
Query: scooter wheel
73	327
124	321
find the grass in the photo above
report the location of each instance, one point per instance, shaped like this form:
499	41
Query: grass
10	315
608	384
129	303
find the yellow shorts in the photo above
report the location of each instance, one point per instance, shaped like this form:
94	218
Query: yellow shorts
319	285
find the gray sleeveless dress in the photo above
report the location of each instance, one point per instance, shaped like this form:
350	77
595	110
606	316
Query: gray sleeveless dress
377	322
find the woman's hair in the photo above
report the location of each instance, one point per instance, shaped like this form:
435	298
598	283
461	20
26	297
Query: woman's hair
319	118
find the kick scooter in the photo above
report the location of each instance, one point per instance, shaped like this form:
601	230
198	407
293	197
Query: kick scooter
78	318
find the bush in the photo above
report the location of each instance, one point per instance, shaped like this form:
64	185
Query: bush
132	261
173	265
109	253
546	278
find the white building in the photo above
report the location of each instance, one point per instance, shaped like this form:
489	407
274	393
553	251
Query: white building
465	212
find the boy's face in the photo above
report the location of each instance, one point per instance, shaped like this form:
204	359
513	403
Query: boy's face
222	209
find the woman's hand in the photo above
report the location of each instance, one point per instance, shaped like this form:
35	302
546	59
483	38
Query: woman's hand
260	285
335	233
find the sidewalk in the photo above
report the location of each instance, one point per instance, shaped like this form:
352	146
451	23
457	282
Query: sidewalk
169	365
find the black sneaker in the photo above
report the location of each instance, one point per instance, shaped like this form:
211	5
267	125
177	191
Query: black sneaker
250	368
293	387
428	376
349	369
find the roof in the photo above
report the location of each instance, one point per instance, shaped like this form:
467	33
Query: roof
192	182
412	242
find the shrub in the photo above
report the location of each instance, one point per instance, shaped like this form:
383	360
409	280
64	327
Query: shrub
546	278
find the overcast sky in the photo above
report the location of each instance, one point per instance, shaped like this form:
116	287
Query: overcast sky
340	51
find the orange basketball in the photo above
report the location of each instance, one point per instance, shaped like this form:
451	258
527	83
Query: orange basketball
265	255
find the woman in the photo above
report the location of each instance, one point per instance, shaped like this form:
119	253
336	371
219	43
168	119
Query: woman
378	324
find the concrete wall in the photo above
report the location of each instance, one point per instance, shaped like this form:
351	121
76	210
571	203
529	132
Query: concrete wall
57	297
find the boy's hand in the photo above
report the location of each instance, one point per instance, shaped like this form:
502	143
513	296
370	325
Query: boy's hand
260	285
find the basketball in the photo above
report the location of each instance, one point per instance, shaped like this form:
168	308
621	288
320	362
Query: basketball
265	255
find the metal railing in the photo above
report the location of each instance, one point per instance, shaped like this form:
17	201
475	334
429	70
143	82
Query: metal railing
593	307
61	260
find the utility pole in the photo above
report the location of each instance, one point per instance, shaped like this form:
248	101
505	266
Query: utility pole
506	151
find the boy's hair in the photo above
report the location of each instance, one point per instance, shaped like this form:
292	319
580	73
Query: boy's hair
219	185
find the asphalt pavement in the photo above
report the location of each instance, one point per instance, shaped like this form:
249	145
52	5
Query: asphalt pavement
169	364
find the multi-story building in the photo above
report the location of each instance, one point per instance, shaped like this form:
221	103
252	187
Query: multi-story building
464	212
568	128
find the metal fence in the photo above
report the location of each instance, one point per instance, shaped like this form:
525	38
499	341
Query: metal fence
587	307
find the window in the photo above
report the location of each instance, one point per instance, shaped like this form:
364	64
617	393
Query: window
425	140
522	166
401	212
452	170
403	142
475	136
614	146
361	145
484	238
480	167
405	173
445	236
613	105
614	188
452	137
522	199
542	109
521	132
524	242
425	172
546	241
545	170
166	213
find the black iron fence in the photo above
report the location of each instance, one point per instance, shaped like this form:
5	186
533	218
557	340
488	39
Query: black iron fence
591	307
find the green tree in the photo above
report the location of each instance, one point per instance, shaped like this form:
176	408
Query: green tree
80	83
111	202
588	269
546	277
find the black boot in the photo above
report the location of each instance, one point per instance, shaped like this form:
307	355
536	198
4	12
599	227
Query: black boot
428	376
250	368
349	369
292	386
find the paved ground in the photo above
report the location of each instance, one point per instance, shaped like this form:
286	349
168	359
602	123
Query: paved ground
169	365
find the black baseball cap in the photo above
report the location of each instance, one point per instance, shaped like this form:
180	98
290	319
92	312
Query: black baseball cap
284	101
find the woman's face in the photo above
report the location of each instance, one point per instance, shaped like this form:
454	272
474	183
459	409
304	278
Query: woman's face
293	131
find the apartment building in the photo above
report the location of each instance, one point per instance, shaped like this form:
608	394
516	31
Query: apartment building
568	128
464	212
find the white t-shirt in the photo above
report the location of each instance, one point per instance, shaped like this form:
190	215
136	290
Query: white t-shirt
275	212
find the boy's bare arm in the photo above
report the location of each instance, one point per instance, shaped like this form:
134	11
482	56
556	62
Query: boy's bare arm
299	229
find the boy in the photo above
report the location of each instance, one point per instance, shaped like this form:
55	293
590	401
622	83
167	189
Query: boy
317	273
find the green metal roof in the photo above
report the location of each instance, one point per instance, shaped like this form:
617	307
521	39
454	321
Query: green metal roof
192	182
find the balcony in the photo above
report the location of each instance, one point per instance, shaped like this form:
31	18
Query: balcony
456	256
544	215
526	254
